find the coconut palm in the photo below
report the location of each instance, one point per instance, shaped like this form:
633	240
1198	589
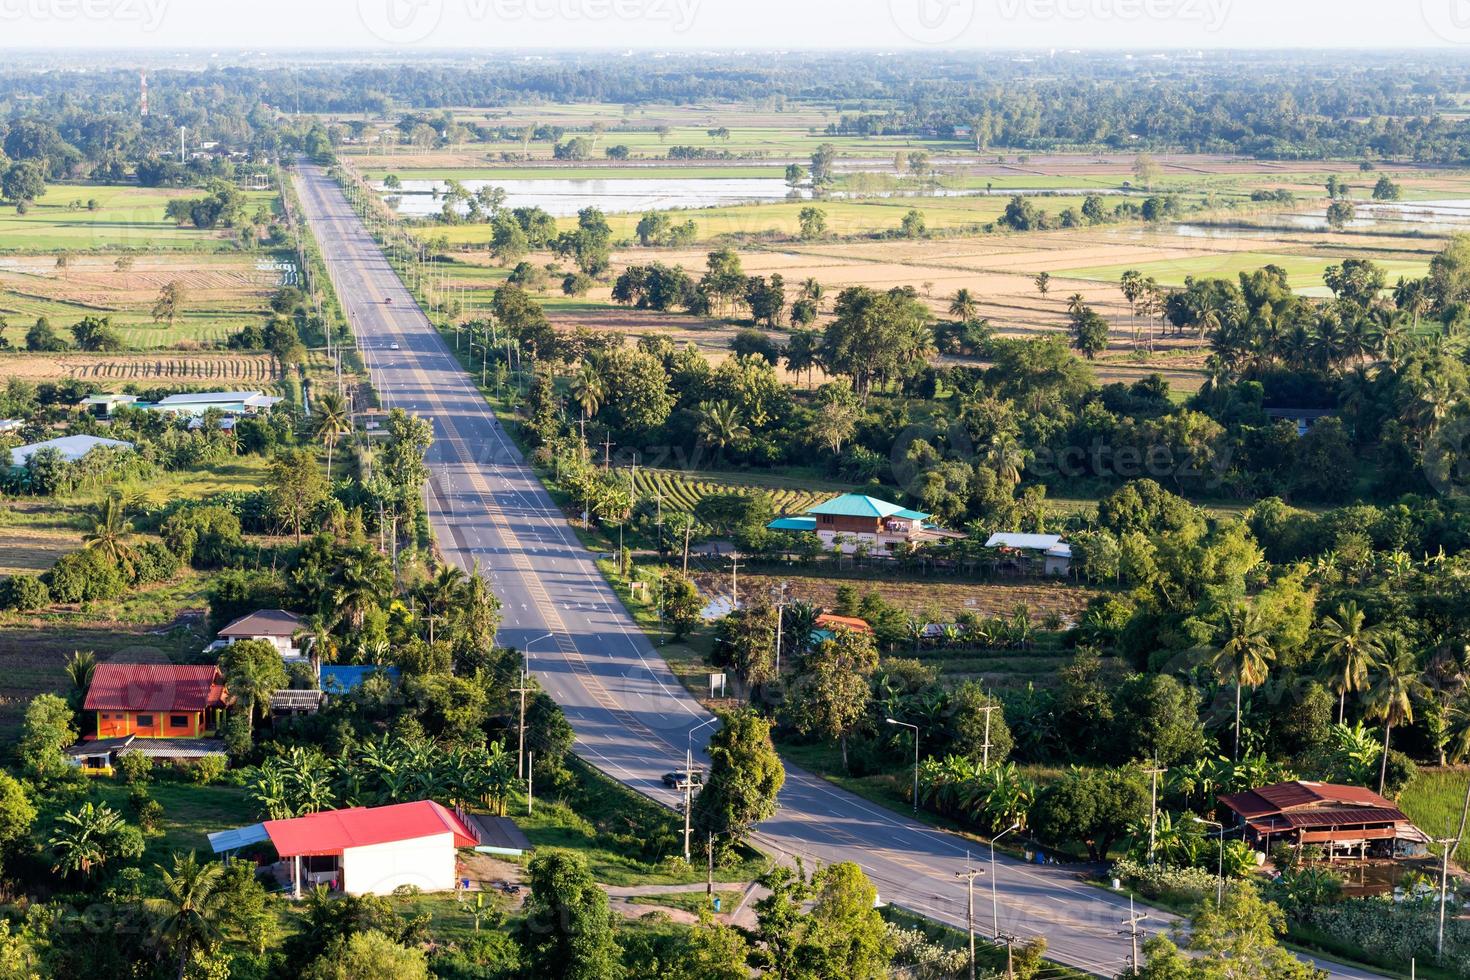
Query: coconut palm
332	423
1352	650
362	579
79	670
962	306
589	389
190	907
1244	655
720	426
110	533
1391	698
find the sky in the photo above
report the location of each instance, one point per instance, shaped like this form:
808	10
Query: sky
230	26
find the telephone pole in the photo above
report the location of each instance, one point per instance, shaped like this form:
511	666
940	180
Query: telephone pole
734	584
1134	918
1010	942
1153	813
969	875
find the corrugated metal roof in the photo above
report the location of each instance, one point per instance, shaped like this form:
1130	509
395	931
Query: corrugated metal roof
793	524
856	505
1024	542
332	831
154	687
264	622
233	840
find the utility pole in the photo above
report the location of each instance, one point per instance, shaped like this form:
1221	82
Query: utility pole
606	452
985	761
1010	960
523	690
688	527
530	768
1132	922
969	874
709	873
1153	814
1444	875
734	584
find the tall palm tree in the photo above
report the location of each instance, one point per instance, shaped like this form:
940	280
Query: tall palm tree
362	579
110	533
589	389
191	906
1244	656
1075	305
332	423
963	306
1352	650
720	426
1391	698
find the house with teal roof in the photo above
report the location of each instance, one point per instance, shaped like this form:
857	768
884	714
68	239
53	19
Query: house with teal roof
854	521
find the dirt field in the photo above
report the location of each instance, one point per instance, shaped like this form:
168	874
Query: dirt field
999	598
222	294
109	371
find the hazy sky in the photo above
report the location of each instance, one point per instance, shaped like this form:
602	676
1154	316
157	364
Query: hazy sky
228	26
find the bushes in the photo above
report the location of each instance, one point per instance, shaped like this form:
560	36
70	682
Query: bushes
1186	886
1381	931
154	562
84	576
207	770
207	536
24	593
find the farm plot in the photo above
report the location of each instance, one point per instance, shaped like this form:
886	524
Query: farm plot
682	490
222	293
124	218
109	371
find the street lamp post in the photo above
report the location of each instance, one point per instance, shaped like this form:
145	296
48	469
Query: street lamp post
904	724
522	691
1220	873
994	900
689	779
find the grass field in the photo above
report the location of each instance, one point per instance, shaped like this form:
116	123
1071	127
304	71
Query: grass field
127	218
222	293
1304	272
1433	801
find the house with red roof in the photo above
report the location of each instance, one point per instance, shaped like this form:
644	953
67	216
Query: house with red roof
155	701
1335	817
363	850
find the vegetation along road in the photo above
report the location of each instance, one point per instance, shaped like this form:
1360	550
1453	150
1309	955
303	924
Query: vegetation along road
632	718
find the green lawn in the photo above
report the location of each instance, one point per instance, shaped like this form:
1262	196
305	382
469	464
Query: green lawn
1434	800
190	812
1304	272
128	217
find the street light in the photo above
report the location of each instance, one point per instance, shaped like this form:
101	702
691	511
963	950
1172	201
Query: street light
522	691
904	724
1220	876
994	902
689	779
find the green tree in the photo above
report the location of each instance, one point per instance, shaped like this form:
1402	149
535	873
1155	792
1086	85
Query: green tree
681	604
332	423
744	778
253	671
295	488
1238	938
23	182
46	730
1350	649
1395	687
847	929
813	223
111	532
567	930
91	836
830	696
1158	719
189	906
1243	654
170	303
963	306
1092	807
17	814
1089	332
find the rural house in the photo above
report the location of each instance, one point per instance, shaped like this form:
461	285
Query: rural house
1336	818
275	626
155	700
228	402
362	850
854	520
1045	554
71	448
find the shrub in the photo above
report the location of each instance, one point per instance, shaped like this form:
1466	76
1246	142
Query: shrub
205	536
208	770
24	593
136	768
154	562
85	575
1182	885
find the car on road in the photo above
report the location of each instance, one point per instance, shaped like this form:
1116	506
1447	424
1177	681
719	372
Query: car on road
393	346
679	778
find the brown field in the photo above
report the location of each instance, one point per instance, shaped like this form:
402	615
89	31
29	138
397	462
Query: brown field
948	598
116	369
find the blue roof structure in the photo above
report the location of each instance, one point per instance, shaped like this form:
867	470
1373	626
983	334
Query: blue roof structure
232	840
341	679
793	524
860	505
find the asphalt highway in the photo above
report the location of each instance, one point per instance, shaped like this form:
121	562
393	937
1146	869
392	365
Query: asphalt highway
632	717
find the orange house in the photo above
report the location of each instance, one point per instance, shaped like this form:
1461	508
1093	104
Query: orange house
156	700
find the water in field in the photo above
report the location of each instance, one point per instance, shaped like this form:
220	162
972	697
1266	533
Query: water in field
1432	217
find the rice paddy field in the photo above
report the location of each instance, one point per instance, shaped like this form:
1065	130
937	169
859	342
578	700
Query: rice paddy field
125	218
223	292
1434	800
